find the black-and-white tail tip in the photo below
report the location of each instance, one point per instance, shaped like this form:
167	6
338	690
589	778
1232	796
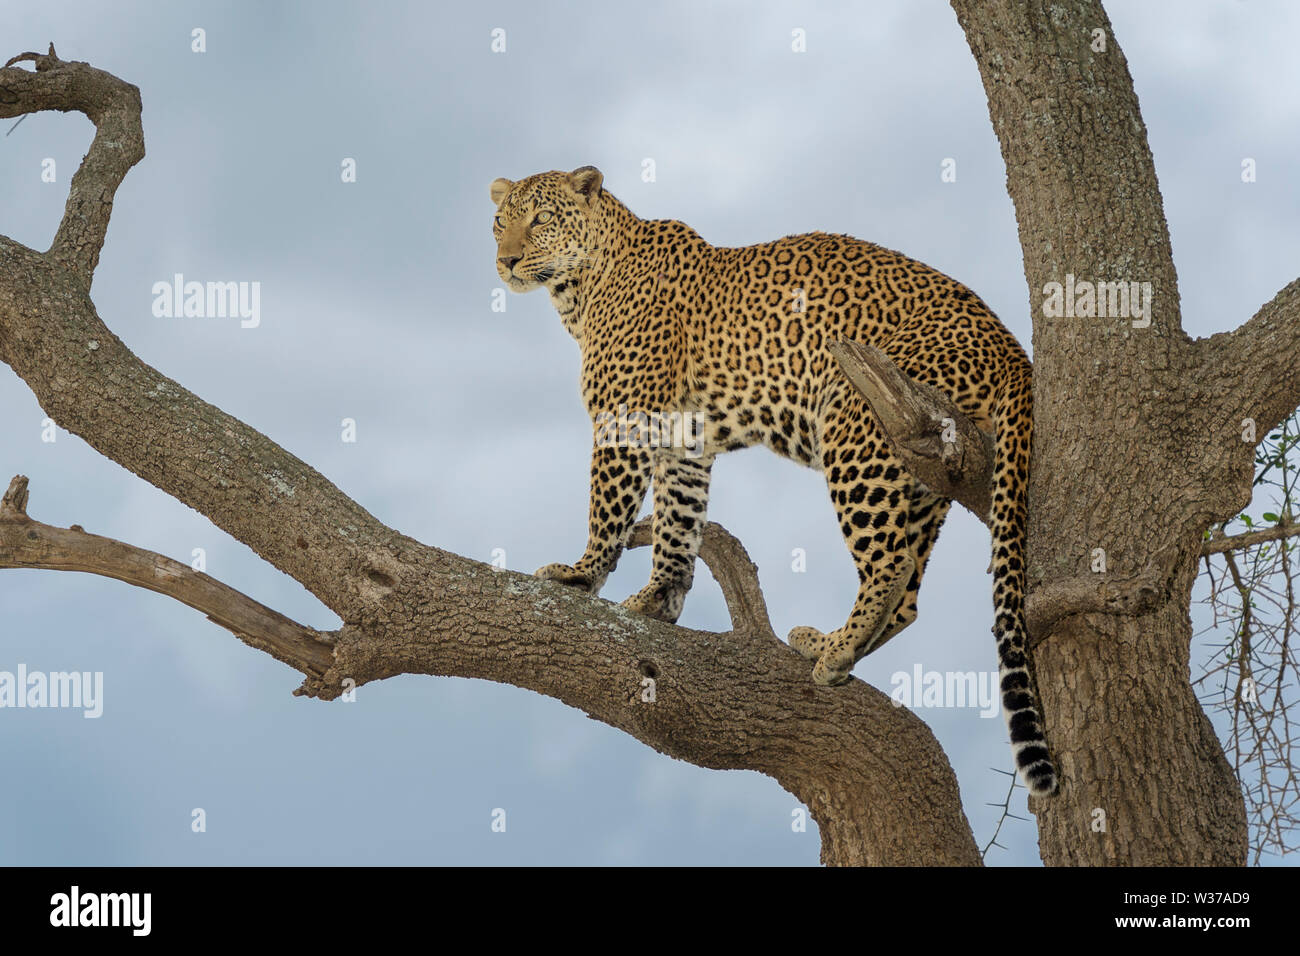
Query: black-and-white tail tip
1033	762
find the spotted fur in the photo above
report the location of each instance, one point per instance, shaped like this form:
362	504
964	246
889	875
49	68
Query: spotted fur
739	337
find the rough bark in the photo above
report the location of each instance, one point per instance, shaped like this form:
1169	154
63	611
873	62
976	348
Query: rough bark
1137	446
872	775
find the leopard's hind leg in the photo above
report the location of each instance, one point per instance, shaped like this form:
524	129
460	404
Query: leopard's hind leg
925	514
872	497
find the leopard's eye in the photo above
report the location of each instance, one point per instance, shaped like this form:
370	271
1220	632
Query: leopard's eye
542	218
500	223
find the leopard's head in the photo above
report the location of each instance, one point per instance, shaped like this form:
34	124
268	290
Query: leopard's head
545	226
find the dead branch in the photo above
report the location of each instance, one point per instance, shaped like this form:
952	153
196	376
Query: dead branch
940	446
25	543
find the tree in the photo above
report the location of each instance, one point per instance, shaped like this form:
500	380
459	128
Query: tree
1111	645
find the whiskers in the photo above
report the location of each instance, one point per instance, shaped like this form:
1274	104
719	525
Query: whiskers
562	264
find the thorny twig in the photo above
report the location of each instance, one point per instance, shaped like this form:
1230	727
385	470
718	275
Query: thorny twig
1251	676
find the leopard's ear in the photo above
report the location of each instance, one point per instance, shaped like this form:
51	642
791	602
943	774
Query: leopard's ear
586	181
499	189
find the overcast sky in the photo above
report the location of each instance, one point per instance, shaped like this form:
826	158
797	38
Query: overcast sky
376	306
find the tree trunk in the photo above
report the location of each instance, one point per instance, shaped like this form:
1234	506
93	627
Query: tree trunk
1137	448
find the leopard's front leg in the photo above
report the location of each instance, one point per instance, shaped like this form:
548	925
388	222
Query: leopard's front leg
619	476
681	503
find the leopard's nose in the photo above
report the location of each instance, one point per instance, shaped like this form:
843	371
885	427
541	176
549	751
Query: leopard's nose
508	262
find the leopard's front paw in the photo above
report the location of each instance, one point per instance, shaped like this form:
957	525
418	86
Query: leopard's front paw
565	574
661	602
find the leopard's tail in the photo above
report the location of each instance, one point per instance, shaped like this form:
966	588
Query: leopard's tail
1013	421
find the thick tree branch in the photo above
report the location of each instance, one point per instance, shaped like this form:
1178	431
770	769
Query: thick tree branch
872	774
1256	369
733	700
26	543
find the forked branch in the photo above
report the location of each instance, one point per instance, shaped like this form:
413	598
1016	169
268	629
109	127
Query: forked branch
114	107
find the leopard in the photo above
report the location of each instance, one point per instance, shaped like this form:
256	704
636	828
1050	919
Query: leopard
725	348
